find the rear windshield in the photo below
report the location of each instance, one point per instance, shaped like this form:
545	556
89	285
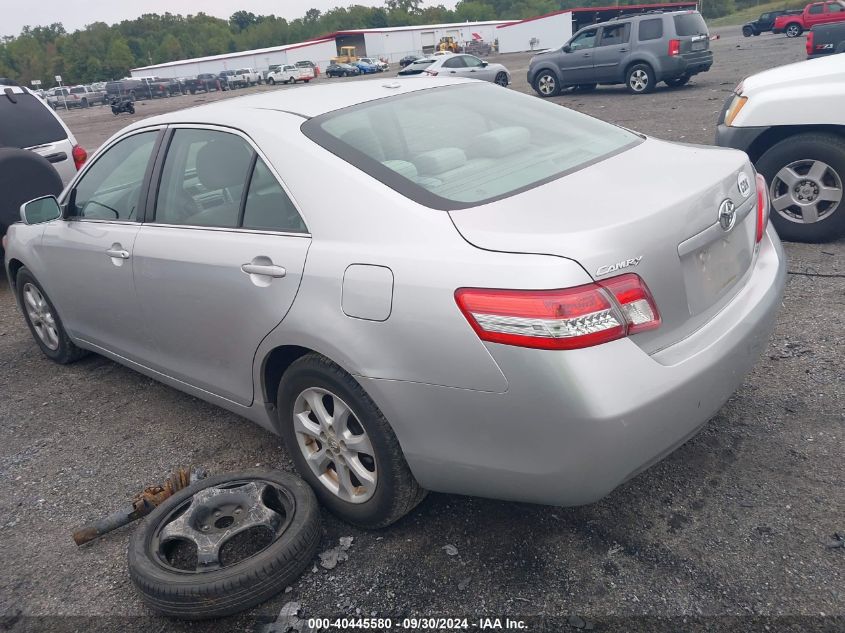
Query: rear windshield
690	24
461	146
28	122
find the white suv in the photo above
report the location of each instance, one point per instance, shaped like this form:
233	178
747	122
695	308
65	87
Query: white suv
791	123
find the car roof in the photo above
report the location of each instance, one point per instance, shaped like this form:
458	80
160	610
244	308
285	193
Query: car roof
641	16
305	102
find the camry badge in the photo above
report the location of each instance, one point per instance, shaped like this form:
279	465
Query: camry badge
727	215
743	184
603	270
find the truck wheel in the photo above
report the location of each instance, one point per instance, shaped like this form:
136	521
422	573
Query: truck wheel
793	29
271	81
546	84
640	79
806	174
747	31
84	103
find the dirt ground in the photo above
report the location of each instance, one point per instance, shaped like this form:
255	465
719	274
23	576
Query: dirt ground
730	532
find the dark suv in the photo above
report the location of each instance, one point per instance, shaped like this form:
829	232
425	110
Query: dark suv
765	22
639	51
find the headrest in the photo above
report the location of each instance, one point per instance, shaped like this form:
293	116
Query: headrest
223	162
401	167
437	161
500	142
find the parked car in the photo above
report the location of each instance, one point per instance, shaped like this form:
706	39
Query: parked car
248	76
129	88
547	353
286	74
26	122
5	81
796	142
56	97
305	63
460	65
204	82
826	39
765	22
408	59
814	13
373	61
229	80
639	51
342	70
365	67
84	97
418	66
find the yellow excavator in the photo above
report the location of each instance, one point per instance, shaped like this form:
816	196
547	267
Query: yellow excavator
448	43
347	56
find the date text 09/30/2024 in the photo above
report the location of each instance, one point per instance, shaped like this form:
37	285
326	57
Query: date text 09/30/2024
416	624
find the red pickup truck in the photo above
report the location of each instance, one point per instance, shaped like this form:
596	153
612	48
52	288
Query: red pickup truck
814	13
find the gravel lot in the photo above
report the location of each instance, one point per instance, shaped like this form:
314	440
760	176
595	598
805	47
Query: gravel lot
733	525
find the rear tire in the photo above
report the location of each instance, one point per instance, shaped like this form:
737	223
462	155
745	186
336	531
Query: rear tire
747	31
546	84
677	82
793	29
819	148
395	492
640	79
44	322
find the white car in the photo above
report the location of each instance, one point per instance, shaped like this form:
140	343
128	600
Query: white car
247	76
287	74
791	122
458	65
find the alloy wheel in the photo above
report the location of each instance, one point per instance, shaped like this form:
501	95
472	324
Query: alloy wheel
792	31
335	445
806	191
547	85
41	317
502	80
638	80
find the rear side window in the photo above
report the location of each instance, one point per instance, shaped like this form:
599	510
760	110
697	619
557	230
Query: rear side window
28	122
816	9
461	146
834	7
267	205
616	34
651	29
690	24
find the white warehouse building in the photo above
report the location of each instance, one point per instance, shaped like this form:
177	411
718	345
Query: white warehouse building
391	44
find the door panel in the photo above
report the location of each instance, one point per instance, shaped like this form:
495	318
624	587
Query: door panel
576	66
205	314
612	49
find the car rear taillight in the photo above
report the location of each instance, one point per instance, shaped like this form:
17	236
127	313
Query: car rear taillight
762	207
79	156
571	318
810	43
674	48
433	73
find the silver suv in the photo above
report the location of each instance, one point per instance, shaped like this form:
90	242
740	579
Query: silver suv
639	51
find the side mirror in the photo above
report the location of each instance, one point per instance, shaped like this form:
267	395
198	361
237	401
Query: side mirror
484	64
567	48
41	210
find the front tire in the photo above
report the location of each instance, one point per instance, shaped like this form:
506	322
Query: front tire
793	30
640	79
271	81
343	446
44	322
502	80
546	84
806	174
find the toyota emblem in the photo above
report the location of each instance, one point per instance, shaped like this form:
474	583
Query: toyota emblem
727	215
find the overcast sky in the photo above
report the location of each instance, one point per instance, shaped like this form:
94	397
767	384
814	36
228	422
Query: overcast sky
75	14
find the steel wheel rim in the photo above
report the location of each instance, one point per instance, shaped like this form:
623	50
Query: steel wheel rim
212	517
806	191
546	84
639	80
335	445
40	316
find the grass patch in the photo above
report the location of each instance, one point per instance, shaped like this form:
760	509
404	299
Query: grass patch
752	13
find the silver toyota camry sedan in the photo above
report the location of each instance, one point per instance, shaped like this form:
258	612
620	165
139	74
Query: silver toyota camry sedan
426	285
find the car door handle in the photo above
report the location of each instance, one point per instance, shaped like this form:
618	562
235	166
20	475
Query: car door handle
623	50
268	270
118	252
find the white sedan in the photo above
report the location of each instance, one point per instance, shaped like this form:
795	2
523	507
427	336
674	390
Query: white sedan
466	66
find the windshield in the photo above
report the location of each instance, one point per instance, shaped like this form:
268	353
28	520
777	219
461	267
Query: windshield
461	146
690	24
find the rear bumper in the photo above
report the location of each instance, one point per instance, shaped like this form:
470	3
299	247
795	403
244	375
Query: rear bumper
687	64
574	425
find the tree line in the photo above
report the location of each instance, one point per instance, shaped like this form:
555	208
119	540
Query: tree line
102	52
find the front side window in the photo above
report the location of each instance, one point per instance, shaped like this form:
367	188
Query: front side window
111	188
586	39
454	62
816	9
616	34
203	178
651	29
460	146
834	7
472	61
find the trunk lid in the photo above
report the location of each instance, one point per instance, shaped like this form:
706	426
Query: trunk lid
652	210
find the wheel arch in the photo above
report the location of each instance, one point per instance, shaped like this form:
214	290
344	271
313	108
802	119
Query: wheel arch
639	60
14	266
776	134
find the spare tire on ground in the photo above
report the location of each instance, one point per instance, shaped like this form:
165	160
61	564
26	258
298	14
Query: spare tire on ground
24	175
225	544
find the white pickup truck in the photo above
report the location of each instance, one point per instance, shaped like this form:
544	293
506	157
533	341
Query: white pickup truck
289	74
247	77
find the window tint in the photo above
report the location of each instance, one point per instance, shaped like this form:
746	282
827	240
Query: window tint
834	7
268	206
688	24
651	29
616	34
587	39
464	145
111	188
472	61
203	178
816	9
28	122
455	62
